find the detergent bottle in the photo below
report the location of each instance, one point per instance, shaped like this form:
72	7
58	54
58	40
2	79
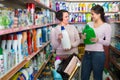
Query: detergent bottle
89	34
66	44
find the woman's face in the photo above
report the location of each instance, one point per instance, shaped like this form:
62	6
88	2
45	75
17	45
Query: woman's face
95	16
65	17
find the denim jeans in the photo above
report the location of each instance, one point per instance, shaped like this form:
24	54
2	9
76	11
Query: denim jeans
92	61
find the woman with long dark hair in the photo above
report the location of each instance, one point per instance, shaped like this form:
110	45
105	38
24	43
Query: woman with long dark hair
94	57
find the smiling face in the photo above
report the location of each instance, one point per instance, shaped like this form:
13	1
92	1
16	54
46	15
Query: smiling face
65	18
95	16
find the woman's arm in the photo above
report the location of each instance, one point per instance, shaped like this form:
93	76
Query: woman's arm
107	39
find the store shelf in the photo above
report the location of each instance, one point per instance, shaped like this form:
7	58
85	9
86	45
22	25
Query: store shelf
37	4
90	12
77	22
117	22
118	36
18	29
115	63
91	0
15	69
22	4
33	54
115	50
42	67
112	75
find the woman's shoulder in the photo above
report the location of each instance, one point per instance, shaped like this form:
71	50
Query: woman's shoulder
106	25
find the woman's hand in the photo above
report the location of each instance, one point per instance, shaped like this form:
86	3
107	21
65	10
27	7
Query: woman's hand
94	40
83	36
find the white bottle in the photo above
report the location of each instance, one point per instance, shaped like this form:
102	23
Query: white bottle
7	58
15	45
39	38
65	40
19	36
57	62
3	44
1	62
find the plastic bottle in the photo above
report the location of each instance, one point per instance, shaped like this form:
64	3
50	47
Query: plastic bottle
7	57
34	40
29	42
93	4
15	45
57	62
110	7
19	35
44	34
56	75
84	7
24	44
65	40
3	43
89	7
1	62
89	34
39	38
57	6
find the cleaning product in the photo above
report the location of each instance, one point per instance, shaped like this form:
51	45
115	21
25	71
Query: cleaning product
44	34
19	36
65	40
57	62
15	45
24	44
56	75
3	46
89	34
39	38
3	43
34	40
1	62
7	55
29	42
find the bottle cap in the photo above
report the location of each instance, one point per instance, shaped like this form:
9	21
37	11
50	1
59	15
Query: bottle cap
57	58
4	37
62	28
14	37
1	51
9	37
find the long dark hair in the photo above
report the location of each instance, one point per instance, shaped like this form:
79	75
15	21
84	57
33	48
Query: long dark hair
99	10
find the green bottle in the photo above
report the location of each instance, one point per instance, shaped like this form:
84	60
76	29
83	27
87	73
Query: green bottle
89	34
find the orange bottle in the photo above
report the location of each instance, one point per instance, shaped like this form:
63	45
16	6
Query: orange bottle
34	40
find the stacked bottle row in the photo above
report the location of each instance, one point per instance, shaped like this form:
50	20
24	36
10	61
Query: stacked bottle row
11	18
29	71
80	17
86	7
48	3
19	45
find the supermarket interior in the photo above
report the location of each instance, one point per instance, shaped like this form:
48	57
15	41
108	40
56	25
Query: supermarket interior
52	39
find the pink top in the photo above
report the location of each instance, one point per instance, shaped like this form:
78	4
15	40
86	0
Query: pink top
74	38
102	31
